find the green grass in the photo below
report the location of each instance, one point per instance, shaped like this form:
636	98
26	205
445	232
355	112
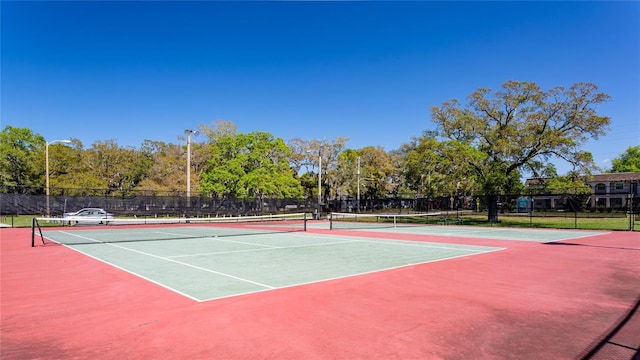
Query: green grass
17	220
24	221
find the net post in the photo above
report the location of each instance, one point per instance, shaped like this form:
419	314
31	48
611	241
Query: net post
34	223
33	232
331	221
304	222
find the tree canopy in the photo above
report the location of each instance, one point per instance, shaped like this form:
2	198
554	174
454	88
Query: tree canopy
249	165
520	128
629	161
22	161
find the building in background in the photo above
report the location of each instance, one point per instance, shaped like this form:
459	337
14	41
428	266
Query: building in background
609	191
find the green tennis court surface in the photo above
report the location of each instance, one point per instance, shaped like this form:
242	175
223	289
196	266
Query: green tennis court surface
185	260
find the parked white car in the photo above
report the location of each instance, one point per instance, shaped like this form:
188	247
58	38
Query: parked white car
88	216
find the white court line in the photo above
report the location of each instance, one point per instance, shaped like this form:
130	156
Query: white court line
464	248
342	239
467	232
125	270
427	245
351	275
171	260
414	243
270	248
217	239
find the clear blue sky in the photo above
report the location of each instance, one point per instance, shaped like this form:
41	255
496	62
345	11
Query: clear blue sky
368	71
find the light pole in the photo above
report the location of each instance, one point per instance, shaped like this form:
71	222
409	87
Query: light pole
428	189
319	180
188	132
366	179
358	198
46	162
429	192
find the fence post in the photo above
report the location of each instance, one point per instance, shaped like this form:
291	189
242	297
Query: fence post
630	207
531	208
575	210
33	236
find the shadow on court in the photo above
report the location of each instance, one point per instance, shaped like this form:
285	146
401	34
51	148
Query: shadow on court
592	245
622	341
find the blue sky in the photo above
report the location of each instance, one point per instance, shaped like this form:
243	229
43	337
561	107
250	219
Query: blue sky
368	71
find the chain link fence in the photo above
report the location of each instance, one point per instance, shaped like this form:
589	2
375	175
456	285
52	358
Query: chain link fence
148	205
614	211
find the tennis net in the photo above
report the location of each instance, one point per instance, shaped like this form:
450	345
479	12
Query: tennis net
158	228
372	221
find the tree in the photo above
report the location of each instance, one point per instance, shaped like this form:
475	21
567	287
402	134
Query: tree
249	166
629	161
347	173
520	129
69	172
117	169
329	151
306	154
167	169
299	156
377	173
572	189
21	159
571	183
425	169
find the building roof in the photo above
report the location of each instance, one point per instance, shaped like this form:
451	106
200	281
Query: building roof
625	176
608	177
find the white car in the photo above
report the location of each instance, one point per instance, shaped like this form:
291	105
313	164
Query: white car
88	216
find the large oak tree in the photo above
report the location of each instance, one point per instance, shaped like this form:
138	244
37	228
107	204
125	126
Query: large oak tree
249	165
520	128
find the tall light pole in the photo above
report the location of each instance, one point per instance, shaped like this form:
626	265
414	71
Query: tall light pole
428	192
46	162
319	181
188	132
358	199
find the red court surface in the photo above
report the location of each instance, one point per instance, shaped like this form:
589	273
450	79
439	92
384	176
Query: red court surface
530	301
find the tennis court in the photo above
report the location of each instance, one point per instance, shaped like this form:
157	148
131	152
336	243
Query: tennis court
410	224
206	262
292	289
